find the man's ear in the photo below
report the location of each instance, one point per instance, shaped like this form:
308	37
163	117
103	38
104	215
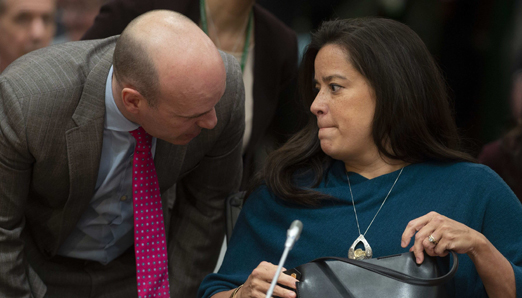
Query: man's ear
132	100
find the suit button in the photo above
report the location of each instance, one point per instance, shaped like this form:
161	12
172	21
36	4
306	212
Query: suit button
123	198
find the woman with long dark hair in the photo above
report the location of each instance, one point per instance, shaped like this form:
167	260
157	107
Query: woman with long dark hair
378	164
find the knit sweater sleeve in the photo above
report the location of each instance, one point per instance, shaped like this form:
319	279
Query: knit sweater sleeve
476	196
255	239
502	223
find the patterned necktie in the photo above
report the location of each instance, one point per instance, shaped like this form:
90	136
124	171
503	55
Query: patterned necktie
149	231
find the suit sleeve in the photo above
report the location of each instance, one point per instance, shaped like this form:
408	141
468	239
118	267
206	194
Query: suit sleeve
198	220
15	174
114	16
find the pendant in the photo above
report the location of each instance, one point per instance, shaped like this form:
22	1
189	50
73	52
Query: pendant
359	254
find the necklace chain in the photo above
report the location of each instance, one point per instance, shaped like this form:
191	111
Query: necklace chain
353	203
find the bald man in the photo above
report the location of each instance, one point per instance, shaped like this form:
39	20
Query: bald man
67	161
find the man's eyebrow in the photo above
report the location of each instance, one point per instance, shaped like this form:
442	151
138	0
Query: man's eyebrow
195	115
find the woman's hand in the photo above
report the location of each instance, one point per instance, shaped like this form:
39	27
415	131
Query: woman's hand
445	234
260	279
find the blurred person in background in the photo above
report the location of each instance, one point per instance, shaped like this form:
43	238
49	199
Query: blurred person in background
25	25
76	17
504	155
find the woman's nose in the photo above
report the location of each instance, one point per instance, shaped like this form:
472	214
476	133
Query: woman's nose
319	106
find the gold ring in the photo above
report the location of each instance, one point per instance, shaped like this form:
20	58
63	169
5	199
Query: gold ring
432	240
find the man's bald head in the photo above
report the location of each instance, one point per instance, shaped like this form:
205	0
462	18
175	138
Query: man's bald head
162	51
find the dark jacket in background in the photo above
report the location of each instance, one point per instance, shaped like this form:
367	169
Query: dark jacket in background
500	160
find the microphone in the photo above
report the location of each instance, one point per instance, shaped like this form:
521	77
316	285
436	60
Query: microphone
292	235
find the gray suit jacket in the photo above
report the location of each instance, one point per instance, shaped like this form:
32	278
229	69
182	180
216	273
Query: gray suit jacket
51	128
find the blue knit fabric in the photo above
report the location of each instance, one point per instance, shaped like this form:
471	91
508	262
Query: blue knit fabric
469	193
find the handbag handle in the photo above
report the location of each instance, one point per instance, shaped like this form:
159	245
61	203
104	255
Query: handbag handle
402	277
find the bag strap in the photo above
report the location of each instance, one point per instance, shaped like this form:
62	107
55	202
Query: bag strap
332	277
399	276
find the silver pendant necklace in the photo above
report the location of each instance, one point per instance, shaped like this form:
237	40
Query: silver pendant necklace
367	253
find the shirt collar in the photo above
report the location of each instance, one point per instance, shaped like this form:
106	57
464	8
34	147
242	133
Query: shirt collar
114	119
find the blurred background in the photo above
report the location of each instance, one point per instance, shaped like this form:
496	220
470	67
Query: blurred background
477	43
74	17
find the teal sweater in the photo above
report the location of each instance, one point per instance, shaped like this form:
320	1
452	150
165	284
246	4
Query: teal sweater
469	193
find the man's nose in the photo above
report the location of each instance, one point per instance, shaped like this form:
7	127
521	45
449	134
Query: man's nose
208	121
38	29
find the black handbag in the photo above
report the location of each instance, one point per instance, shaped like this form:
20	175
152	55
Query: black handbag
391	276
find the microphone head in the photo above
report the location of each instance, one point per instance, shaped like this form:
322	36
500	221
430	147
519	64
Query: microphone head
295	229
292	234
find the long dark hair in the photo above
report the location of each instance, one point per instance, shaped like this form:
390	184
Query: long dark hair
412	117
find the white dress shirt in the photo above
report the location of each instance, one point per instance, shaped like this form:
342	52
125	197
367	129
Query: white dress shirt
105	230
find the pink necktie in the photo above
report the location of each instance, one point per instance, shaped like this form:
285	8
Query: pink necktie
149	231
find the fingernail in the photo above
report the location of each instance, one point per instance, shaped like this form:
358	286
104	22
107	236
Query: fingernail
418	260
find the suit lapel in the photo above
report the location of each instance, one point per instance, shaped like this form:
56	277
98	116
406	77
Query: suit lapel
168	162
84	143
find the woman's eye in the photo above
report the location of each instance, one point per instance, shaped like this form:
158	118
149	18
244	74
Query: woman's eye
335	87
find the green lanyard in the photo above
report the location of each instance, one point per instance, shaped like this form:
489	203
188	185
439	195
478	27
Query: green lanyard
247	39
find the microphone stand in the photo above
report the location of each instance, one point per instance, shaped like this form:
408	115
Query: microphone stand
292	236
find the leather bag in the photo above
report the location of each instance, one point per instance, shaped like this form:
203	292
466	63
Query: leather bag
391	276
